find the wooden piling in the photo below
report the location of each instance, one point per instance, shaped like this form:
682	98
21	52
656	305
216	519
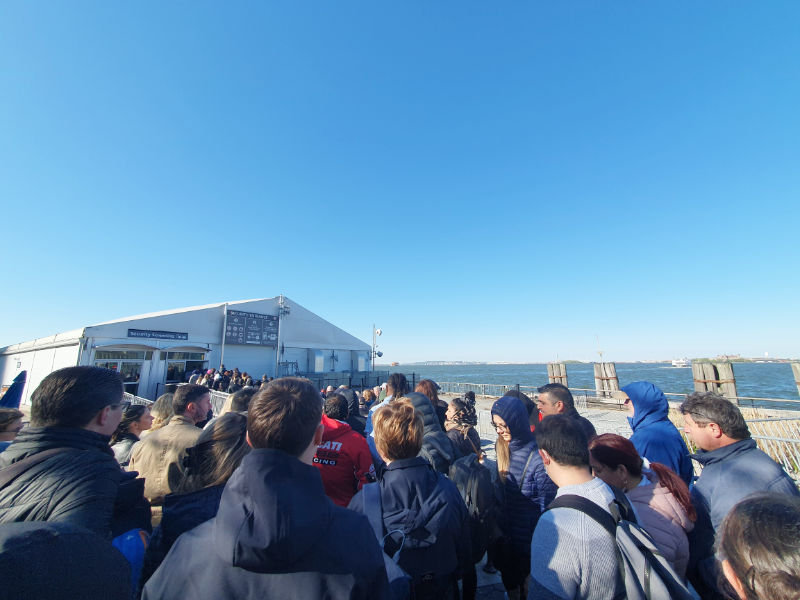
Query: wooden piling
796	372
605	379
714	377
557	373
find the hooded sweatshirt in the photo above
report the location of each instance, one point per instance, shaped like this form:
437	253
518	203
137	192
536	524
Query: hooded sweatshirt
354	419
654	436
276	535
343	460
526	492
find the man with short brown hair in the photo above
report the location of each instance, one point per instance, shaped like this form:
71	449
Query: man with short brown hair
733	468
158	456
61	468
276	534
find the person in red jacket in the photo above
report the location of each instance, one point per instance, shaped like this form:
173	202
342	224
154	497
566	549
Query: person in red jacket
343	457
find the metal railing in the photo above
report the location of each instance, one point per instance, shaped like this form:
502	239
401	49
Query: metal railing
780	438
217	401
496	390
126	397
587	395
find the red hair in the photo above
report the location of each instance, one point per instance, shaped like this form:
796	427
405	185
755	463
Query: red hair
613	450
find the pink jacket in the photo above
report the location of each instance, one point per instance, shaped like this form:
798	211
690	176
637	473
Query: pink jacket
664	518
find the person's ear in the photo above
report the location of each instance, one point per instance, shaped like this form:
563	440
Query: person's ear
318	434
247	438
727	570
101	418
559	406
715	430
545	457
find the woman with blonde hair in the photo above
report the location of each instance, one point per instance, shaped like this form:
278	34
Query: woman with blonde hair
421	514
162	412
524	491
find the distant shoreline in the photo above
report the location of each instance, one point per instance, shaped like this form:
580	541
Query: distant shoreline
445	363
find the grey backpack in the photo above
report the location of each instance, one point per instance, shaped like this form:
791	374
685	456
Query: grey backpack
647	575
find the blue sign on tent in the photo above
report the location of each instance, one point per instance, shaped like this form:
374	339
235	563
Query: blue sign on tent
157	335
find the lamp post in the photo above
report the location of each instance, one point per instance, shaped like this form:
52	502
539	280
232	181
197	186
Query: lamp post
375	352
283	310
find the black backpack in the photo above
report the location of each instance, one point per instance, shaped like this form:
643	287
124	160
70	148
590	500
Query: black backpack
474	483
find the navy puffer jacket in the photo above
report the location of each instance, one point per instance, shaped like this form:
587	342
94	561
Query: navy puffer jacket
437	448
354	419
523	502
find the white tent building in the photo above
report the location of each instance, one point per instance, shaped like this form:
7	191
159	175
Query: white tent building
268	336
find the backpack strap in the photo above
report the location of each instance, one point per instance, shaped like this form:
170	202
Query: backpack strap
373	508
623	505
11	472
525	470
603	518
589	508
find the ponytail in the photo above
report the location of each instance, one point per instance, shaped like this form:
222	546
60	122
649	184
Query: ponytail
676	486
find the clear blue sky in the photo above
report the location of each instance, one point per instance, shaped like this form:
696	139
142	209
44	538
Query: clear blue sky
503	182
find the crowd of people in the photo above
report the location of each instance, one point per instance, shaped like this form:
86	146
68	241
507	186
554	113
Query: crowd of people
294	492
225	380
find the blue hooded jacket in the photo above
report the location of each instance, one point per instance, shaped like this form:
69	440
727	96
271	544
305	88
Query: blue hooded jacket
525	492
654	435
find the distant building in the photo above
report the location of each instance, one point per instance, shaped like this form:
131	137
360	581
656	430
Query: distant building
155	350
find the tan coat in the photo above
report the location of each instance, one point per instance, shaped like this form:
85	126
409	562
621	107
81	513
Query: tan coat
158	457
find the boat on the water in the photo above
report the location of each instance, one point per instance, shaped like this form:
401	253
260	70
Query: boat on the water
682	362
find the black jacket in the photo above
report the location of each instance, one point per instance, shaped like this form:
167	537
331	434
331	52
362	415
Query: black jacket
354	419
181	512
582	422
276	535
59	561
465	445
437	448
83	485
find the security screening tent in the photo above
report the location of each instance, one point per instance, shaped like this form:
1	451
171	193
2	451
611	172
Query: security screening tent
268	336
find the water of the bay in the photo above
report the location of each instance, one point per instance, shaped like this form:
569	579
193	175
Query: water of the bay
753	380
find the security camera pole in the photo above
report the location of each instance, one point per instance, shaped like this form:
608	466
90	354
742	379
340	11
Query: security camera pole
375	334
